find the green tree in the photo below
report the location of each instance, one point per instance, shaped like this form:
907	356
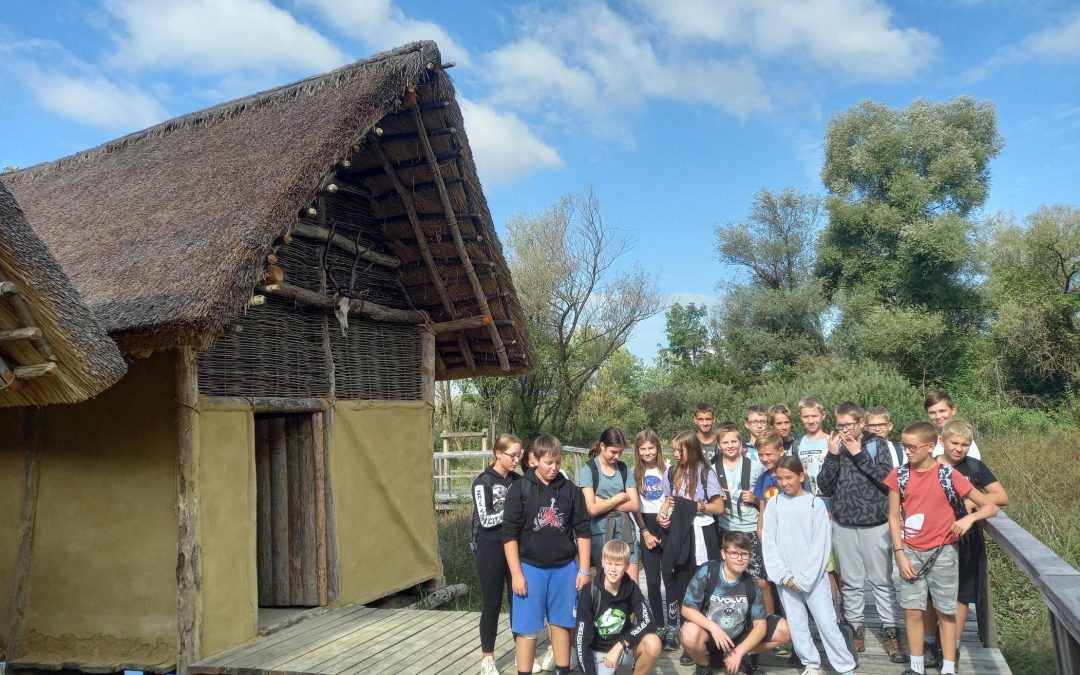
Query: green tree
687	334
1033	289
775	318
581	304
897	253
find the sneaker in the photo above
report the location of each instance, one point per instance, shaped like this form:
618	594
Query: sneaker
750	665
702	670
813	671
783	650
537	666
932	655
547	664
671	639
487	666
686	659
892	645
860	639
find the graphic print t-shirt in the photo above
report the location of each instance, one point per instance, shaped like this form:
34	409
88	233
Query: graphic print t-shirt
609	487
812	454
709	449
652	491
728	606
928	516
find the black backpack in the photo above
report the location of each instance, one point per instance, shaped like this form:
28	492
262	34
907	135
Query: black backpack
744	481
704	479
595	470
746	583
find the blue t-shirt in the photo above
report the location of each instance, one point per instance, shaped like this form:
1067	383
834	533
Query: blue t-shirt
609	487
728	606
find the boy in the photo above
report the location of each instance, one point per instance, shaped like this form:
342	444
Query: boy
725	619
545	527
614	625
852	476
926	518
741	504
704	416
779	418
940	409
879	423
756	421
956	437
812	448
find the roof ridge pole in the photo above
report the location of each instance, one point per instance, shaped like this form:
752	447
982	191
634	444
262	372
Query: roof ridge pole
448	207
425	250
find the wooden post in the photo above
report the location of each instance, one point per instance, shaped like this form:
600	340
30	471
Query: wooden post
264	546
279	510
27	517
984	608
319	457
188	566
484	440
296	542
309	576
427	366
333	558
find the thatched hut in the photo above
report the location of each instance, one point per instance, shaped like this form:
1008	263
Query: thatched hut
287	274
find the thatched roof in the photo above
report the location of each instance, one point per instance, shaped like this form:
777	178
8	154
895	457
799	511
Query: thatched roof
37	292
165	232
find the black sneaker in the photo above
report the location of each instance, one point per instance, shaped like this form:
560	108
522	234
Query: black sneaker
702	670
932	655
686	659
750	665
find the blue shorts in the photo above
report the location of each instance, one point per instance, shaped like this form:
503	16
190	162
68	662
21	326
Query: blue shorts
551	593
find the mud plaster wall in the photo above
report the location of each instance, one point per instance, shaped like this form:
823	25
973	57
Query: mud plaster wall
11	490
380	468
103	571
227	528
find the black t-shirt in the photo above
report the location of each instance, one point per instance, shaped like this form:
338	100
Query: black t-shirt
975	471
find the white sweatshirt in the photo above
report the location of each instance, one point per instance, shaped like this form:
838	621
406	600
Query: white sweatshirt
796	537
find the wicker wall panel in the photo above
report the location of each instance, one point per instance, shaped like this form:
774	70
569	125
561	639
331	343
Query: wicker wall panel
376	361
279	354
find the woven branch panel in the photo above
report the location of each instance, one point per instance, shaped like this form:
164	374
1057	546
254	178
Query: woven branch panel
375	360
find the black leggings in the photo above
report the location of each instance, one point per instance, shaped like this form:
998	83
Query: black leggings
676	580
650	559
494	577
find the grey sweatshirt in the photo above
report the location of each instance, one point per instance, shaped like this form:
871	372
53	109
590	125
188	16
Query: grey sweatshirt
796	537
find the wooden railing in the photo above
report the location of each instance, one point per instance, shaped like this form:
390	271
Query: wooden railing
452	476
1058	583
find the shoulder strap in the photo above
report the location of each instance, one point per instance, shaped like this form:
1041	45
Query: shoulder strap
898	453
903	473
595	597
745	483
705	482
621	465
945	474
595	471
711	579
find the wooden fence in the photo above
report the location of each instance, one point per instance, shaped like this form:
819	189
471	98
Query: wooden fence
453	471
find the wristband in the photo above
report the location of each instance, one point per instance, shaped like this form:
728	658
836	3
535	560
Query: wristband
585	573
898	550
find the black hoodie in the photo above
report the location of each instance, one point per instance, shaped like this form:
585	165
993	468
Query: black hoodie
545	520
489	494
615	612
855	483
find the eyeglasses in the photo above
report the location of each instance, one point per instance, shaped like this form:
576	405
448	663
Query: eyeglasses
877	426
846	425
736	554
912	448
516	458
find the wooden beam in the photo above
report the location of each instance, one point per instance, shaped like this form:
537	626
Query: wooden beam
35	371
403	165
307	231
427	366
7	377
8	288
33	432
461	324
421	241
31	333
267	404
319	456
26	317
188	566
417	187
358	307
279	511
333	558
448	207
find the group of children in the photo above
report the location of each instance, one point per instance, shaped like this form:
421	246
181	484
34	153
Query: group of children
730	530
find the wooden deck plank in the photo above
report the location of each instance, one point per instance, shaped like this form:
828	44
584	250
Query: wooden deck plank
323	658
368	654
465	659
450	633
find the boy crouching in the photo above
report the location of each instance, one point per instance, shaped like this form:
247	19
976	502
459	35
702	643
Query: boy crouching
615	627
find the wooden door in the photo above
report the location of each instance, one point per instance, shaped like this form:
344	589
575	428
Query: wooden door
290	510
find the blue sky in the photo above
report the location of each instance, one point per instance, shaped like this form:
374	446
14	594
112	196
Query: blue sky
677	111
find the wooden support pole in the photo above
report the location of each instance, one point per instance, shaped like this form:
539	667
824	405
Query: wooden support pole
7	377
26	317
448	207
461	324
32	439
425	250
427	366
417	187
35	371
8	288
188	565
333	558
319	456
279	512
363	308
263	540
308	231
31	333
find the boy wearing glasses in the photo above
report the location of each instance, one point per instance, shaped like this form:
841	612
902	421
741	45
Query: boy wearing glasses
755	422
853	475
879	423
725	621
927	517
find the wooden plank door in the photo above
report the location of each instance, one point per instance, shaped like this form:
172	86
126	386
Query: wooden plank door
290	510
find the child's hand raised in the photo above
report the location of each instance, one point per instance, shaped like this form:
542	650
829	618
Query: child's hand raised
834	443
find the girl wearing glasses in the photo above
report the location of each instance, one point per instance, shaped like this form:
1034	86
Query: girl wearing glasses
485	539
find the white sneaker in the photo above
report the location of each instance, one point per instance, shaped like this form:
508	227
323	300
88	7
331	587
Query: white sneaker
547	664
537	666
813	671
487	666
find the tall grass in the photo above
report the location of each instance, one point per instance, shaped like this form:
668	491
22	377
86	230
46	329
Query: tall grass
457	558
1042	477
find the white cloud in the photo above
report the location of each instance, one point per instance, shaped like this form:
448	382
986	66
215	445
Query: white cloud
850	37
380	25
1059	44
503	146
92	99
218	37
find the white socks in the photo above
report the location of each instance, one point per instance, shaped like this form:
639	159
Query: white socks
917	664
948	667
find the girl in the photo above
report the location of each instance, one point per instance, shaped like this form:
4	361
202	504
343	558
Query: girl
546	539
611	497
489	494
692	500
649	468
796	541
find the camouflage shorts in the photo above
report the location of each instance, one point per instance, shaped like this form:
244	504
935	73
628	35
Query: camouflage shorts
940	583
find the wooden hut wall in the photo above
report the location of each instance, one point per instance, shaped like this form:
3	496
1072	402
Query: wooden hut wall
279	349
12	468
102	576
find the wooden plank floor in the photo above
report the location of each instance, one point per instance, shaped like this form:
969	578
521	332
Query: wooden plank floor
355	640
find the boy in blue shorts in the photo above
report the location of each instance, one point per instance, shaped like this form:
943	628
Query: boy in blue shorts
547	543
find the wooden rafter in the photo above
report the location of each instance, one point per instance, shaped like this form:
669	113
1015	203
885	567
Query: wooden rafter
26	317
425	250
302	229
448	207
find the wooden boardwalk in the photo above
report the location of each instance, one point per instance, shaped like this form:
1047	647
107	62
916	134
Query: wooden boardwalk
356	640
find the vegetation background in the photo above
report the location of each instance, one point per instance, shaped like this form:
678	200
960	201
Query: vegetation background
891	283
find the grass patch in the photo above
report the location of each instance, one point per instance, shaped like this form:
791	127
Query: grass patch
459	567
1041	474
